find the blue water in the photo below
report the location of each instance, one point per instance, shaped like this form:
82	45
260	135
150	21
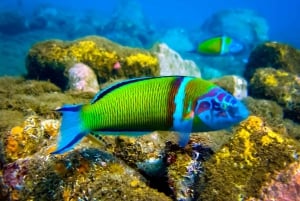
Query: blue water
77	18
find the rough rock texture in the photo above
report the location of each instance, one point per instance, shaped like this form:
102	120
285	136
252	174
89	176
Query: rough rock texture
280	86
275	55
50	60
82	174
212	166
171	63
82	78
247	162
284	185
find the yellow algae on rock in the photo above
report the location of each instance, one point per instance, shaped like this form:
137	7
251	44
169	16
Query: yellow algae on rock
246	162
270	80
142	59
26	139
51	59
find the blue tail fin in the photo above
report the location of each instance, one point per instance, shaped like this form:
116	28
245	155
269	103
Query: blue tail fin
71	130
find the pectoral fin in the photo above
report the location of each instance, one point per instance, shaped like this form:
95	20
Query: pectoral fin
183	139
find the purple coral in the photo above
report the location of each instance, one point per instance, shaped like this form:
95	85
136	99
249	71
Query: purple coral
14	173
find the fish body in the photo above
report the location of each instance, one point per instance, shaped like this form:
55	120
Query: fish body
137	106
220	45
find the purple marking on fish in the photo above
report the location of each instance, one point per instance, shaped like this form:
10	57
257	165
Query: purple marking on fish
227	99
205	105
221	96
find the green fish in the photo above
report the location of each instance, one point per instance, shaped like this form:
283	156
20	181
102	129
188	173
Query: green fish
220	45
138	106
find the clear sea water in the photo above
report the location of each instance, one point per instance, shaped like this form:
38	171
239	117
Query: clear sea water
83	18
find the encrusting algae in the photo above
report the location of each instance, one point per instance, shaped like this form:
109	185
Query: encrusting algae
51	59
243	164
24	140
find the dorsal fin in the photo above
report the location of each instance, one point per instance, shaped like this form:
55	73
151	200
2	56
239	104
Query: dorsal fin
110	88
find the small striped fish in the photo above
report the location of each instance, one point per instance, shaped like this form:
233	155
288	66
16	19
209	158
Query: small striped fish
137	106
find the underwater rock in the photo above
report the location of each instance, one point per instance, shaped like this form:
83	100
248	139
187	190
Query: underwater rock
82	78
273	54
247	162
280	86
236	85
12	23
284	185
273	115
185	170
171	63
50	60
267	109
144	153
167	167
26	139
85	173
21	98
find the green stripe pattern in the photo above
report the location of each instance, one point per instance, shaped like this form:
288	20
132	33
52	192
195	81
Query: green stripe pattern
144	105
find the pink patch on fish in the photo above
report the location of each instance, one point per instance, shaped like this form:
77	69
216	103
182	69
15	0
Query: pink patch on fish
117	65
205	105
221	96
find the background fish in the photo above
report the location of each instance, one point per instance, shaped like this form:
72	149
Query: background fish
219	46
137	106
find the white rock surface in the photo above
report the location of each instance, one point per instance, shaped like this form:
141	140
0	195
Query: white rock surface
171	63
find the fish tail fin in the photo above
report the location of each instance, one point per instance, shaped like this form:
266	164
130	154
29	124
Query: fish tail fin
72	129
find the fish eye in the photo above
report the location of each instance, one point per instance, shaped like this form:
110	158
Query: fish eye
224	106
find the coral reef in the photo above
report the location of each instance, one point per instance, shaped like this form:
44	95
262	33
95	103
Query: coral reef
280	86
244	164
273	54
51	59
171	63
82	78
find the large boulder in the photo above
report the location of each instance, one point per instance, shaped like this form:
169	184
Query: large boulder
50	60
275	55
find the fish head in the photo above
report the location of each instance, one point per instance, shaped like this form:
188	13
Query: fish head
218	109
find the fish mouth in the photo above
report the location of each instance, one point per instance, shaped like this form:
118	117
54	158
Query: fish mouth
238	112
